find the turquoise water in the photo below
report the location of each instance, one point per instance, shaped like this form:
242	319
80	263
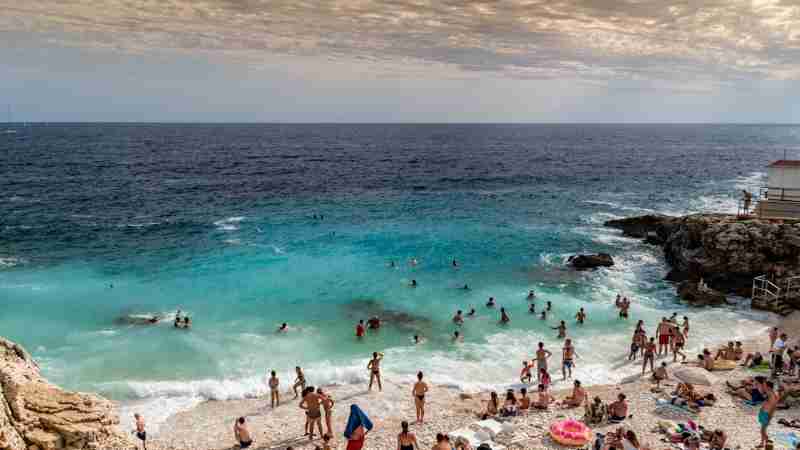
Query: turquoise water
230	237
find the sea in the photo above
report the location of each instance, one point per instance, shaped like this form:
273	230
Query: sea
246	226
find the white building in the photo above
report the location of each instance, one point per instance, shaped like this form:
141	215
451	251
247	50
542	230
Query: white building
781	197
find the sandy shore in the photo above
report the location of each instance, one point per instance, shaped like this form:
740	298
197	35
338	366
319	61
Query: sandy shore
209	425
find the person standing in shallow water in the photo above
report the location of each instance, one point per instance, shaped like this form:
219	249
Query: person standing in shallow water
274	395
567	358
580	316
562	330
374	367
504	319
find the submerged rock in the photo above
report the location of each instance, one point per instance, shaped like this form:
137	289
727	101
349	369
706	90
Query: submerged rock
582	262
37	414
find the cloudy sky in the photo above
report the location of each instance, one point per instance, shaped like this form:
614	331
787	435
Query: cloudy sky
401	60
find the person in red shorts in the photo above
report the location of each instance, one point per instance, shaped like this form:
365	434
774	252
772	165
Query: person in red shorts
663	336
358	425
360	329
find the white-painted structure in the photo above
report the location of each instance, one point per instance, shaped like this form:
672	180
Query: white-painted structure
784	180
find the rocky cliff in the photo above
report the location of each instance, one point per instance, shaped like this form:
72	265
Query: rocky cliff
36	415
723	250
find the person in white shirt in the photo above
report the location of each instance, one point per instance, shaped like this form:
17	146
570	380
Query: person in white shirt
777	353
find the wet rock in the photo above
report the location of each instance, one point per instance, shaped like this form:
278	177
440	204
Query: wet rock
699	295
582	262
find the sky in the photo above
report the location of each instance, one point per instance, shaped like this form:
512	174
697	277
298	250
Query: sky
401	60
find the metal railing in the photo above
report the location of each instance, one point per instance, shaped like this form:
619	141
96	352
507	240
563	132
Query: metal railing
765	290
778	193
792	287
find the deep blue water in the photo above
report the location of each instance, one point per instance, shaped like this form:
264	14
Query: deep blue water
219	221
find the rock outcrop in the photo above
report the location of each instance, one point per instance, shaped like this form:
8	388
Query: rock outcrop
723	250
583	262
697	295
36	415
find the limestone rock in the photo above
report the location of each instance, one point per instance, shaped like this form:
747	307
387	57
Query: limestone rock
642	226
582	262
35	414
696	295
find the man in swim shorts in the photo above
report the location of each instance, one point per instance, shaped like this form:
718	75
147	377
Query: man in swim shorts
567	355
360	329
662	332
767	410
311	403
649	355
374	367
541	360
242	434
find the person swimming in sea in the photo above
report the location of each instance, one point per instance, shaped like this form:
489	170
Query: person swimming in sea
417	339
549	306
458	319
490	303
187	322
544	315
562	330
457	337
413	283
392	264
466	287
532	308
471	312
178	322
414	262
374	323
283	328
580	316
531	295
504	319
455	263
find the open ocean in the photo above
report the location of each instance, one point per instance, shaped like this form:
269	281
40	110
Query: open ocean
219	221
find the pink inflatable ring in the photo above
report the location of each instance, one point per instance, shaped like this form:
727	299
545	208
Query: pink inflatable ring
570	432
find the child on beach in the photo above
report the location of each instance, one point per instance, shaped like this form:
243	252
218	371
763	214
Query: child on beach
660	374
525	374
140	432
766	412
544	378
242	434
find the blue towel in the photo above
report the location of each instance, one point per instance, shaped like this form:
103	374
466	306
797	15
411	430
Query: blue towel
357	418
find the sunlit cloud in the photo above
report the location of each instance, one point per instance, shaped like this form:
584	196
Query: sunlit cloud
706	40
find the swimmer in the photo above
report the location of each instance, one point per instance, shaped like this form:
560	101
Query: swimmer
187	322
544	315
414	262
490	303
504	319
283	328
471	313
360	329
392	264
580	316
111	285
178	322
413	283
417	339
549	306
466	287
457	337
532	308
455	263
374	323
531	295
458	319
562	330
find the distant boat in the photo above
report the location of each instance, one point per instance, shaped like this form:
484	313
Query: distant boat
9	130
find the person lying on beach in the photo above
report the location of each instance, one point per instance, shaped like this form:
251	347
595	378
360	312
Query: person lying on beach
299	382
510	406
595	412
491	303
242	434
577	397
750	389
753	360
660	374
374	367
543	399
618	411
562	330
458	319
524	400
504	318
492	406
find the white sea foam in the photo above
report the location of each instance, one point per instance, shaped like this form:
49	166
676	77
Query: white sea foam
229	224
6	262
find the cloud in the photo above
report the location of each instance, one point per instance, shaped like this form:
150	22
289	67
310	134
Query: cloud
707	40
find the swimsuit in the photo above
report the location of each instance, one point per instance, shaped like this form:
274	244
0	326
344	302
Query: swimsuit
141	435
663	339
421	397
314	414
245	444
756	396
568	363
763	418
355	444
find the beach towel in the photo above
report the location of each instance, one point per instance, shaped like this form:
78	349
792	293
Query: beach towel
665	405
785	439
357	418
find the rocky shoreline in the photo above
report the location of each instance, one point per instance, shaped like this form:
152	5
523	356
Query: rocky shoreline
36	415
724	251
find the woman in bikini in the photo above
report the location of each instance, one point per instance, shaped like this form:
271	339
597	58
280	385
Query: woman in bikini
492	406
418	391
406	440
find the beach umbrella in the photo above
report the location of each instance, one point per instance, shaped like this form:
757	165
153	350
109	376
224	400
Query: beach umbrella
695	375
